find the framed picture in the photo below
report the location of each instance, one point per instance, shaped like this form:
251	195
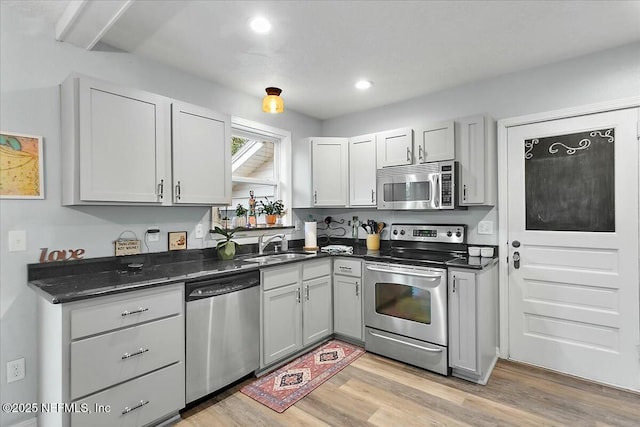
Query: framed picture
177	240
21	166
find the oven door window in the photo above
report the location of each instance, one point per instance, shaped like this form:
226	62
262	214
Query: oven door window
403	301
414	191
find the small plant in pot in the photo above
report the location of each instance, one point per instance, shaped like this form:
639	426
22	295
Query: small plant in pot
271	210
227	248
241	216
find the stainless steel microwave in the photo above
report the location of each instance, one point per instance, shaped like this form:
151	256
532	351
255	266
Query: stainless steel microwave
426	186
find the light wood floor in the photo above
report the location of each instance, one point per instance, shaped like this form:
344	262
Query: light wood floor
377	391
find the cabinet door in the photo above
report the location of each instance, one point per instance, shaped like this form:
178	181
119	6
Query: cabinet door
121	143
437	142
317	310
330	163
281	322
201	154
347	306
362	170
478	173
394	147
462	321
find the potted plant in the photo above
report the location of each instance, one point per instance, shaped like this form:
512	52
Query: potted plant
227	248
241	216
271	210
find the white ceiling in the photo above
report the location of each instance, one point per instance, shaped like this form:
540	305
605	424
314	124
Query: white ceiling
318	49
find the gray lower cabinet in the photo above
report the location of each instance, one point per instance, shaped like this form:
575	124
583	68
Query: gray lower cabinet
111	358
473	323
296	308
347	298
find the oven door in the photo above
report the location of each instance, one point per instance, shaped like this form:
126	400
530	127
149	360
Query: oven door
406	300
409	191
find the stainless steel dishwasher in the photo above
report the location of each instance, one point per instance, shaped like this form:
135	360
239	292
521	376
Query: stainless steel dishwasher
223	332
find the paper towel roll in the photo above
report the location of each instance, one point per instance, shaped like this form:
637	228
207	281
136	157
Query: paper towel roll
310	234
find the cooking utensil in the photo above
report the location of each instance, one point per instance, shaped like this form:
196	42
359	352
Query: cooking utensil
381	226
364	226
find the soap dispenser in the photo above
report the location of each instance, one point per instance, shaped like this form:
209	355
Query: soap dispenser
355	224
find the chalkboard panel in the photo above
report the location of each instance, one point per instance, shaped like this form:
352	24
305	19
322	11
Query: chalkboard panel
569	182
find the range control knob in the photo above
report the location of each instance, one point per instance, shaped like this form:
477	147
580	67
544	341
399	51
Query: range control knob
458	233
449	233
395	232
402	232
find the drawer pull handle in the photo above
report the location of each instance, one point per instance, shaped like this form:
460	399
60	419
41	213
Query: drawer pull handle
138	311
430	350
133	408
137	353
343	267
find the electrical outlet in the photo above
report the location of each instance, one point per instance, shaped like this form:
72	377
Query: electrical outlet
298	225
199	231
15	370
153	237
485	227
17	240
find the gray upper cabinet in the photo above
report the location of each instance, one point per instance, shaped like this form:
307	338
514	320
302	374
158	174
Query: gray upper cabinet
476	145
330	171
436	142
201	155
121	145
394	147
113	144
362	170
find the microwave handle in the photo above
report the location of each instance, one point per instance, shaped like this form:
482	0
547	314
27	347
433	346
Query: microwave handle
437	191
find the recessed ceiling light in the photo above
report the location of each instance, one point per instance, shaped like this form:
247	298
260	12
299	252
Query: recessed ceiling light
260	25
364	84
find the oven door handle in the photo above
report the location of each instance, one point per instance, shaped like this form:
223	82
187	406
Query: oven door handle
429	277
430	350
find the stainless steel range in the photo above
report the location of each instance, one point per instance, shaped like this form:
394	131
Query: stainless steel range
405	297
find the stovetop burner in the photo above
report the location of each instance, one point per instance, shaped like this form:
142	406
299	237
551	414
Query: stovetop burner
418	255
432	244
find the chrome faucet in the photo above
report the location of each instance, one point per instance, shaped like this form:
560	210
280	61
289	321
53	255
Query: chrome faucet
263	244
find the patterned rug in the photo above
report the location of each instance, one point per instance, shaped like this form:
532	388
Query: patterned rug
284	387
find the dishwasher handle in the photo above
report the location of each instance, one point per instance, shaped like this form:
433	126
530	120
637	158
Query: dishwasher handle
221	286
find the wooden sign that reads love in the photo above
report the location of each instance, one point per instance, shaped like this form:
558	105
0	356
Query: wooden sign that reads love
60	255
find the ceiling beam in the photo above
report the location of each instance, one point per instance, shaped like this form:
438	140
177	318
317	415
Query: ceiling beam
85	22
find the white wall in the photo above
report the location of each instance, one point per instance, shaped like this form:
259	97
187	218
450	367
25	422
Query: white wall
32	64
608	75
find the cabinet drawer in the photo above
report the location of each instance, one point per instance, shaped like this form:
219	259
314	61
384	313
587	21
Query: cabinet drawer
347	267
124	311
153	396
281	276
102	361
316	268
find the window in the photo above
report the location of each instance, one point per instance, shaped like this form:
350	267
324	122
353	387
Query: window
258	165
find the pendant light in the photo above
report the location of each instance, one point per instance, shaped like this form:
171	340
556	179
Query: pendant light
272	103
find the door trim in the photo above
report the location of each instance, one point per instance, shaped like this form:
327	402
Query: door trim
503	232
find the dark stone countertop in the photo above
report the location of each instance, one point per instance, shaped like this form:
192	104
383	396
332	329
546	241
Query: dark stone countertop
67	281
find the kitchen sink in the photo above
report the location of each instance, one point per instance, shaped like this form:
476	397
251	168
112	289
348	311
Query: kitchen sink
274	258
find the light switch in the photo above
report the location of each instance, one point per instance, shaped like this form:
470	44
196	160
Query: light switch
199	231
17	240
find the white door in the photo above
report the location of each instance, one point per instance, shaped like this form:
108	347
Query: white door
317	315
573	221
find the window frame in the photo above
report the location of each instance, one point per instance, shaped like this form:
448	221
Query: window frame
282	168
